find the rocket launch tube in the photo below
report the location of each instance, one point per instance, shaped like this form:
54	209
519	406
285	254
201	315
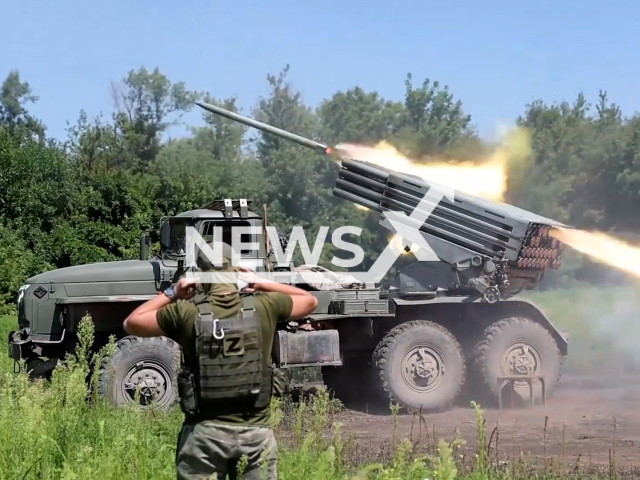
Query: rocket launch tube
356	199
365	169
429	224
481	225
395	199
358	190
362	181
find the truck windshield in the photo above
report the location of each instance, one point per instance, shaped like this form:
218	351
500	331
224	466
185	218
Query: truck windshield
208	230
173	237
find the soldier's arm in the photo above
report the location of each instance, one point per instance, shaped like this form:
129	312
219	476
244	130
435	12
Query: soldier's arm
302	302
143	321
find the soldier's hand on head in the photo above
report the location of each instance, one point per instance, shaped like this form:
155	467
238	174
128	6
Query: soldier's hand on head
249	277
186	288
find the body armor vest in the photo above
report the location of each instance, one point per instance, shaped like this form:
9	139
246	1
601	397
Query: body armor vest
230	375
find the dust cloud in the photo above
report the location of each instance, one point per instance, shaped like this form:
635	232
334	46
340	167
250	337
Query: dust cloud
608	316
607	336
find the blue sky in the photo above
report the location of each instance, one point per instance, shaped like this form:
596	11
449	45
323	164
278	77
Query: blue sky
494	55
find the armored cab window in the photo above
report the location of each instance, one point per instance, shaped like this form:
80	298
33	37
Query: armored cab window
227	228
173	237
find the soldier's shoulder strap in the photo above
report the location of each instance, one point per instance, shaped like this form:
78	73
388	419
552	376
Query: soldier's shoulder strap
201	300
205	315
204	307
248	302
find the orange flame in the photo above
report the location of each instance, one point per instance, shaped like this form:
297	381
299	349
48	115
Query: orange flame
486	178
602	247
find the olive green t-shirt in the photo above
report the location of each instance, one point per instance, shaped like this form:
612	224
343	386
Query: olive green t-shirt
177	321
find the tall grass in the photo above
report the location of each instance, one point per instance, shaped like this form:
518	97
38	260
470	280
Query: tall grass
62	430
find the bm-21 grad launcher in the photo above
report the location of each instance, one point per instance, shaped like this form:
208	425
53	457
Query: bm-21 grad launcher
413	342
489	248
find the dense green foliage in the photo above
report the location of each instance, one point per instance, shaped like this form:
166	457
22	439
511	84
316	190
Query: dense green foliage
89	197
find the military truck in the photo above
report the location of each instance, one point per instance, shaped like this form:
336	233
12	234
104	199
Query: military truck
440	329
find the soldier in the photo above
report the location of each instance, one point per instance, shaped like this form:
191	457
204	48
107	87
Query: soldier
225	384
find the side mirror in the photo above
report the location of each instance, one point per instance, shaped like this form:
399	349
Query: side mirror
145	243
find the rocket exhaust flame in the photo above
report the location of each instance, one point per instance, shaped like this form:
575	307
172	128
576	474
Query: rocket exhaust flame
602	247
486	178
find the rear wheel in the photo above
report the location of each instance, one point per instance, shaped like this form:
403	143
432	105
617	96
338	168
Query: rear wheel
144	365
421	366
517	346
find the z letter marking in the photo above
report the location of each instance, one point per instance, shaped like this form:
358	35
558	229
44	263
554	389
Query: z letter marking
233	346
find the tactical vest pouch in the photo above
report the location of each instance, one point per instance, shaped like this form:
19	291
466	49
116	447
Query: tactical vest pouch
231	371
187	393
280	382
266	388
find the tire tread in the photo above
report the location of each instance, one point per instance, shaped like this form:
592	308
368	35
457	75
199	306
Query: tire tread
122	347
484	346
382	351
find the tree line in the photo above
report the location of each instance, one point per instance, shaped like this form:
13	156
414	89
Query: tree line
87	198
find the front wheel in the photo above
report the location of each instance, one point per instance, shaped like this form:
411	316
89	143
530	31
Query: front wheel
144	365
517	346
421	366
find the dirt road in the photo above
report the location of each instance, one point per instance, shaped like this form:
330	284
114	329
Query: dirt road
584	408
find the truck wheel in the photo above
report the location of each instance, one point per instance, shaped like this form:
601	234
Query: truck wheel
144	364
518	346
421	366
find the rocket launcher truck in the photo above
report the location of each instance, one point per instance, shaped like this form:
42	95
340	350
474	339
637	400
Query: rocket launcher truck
443	331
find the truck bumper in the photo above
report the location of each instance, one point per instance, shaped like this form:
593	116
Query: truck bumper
21	349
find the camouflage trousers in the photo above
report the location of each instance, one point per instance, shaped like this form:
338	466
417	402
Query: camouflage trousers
208	450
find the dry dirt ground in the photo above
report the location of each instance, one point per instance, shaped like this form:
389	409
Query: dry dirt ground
585	408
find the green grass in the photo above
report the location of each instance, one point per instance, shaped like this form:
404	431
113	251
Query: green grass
7	324
62	430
